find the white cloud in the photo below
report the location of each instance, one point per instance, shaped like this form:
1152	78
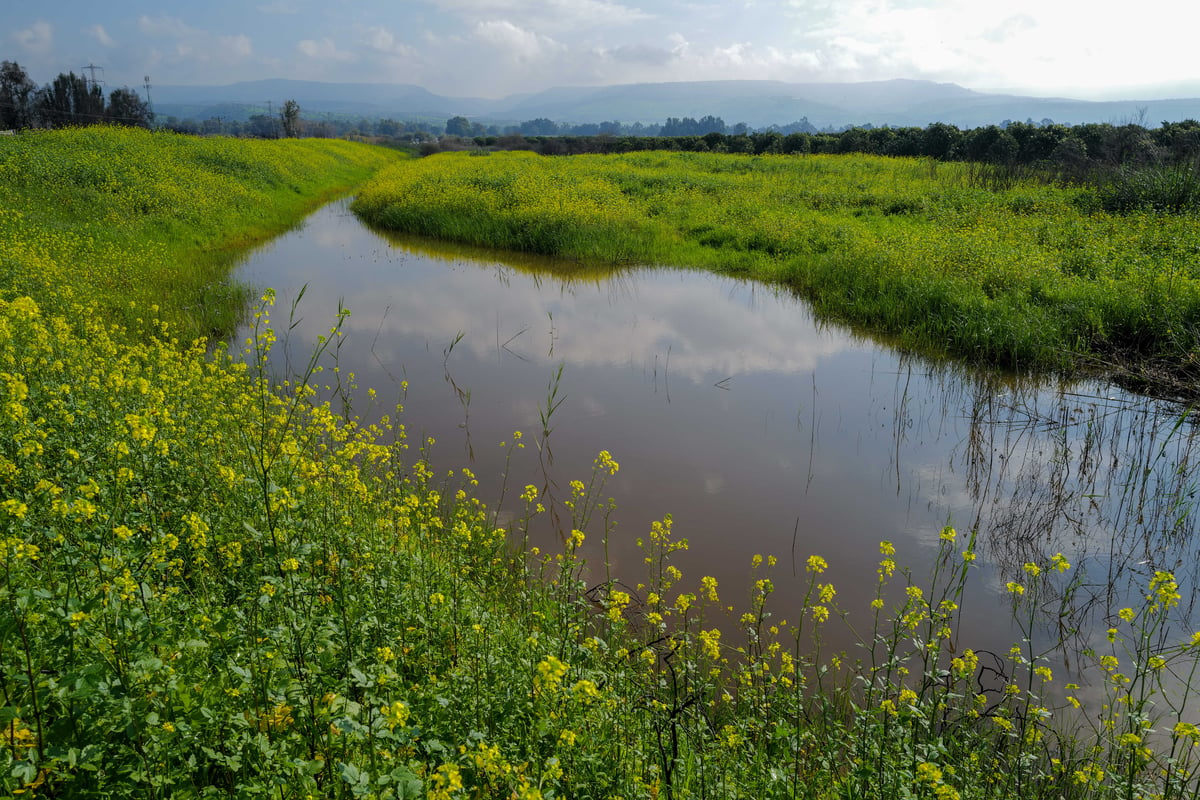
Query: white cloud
550	15
98	33
37	38
1025	44
382	40
193	50
163	25
324	50
517	44
237	46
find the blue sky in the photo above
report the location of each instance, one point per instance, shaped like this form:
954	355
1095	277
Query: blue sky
492	48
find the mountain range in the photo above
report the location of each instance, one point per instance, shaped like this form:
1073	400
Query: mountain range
759	104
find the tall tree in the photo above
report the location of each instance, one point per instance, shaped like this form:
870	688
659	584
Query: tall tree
16	97
126	107
69	100
289	115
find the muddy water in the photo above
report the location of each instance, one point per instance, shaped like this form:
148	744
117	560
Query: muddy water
760	429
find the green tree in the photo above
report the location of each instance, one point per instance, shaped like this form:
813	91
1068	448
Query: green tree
16	97
458	126
289	115
126	107
69	100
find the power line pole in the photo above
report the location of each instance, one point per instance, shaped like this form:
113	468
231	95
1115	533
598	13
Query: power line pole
149	102
92	68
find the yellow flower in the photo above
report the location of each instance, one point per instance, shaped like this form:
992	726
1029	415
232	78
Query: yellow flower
817	564
1014	588
947	534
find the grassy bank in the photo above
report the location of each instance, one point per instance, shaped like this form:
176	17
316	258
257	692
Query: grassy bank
124	219
212	587
1026	275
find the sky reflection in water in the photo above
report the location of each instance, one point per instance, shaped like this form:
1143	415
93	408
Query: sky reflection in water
758	429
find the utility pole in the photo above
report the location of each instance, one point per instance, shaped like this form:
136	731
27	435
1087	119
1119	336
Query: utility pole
149	103
92	68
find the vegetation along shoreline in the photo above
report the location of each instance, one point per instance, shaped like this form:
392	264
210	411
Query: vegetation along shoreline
212	584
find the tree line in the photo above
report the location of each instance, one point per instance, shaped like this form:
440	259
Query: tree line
69	99
1010	144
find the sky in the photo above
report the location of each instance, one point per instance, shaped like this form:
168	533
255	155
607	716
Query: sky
1099	49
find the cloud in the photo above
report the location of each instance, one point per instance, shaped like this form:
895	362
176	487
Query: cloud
517	44
98	33
37	38
237	46
177	44
548	15
381	40
324	50
640	54
165	26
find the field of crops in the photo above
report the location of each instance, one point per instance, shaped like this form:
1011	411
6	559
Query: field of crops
211	586
1022	275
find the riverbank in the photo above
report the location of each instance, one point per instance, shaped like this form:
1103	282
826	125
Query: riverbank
212	586
1024	275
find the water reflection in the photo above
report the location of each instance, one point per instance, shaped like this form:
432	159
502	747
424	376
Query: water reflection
758	428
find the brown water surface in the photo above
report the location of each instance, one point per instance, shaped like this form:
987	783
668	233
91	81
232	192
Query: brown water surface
758	428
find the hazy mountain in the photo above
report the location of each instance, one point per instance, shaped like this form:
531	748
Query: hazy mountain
757	103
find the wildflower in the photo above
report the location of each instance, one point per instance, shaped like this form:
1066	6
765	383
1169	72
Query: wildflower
1014	588
551	671
1126	614
1059	563
1031	569
820	613
710	642
1186	730
1164	591
947	534
15	508
817	564
887	548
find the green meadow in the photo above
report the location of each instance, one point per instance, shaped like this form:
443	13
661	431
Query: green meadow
949	257
214	585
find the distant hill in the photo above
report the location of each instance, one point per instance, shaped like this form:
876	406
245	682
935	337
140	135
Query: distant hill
759	104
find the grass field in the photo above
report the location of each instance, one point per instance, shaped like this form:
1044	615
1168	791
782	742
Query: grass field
211	586
1024	275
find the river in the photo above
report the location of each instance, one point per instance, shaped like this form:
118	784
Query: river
759	428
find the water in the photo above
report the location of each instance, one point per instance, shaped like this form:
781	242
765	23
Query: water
760	429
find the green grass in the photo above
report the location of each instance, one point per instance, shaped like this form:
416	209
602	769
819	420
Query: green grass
212	586
126	219
1026	275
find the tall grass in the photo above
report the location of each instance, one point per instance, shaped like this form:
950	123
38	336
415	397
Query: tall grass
1017	273
212	585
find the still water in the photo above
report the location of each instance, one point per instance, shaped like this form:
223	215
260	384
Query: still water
760	429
